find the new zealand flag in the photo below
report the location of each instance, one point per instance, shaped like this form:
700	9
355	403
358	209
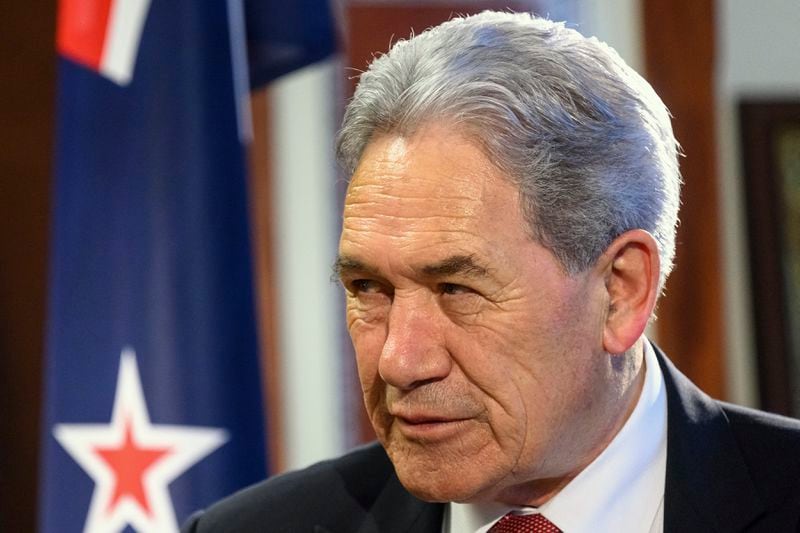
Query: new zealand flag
153	386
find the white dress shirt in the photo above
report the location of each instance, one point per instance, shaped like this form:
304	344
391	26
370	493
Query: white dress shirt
622	490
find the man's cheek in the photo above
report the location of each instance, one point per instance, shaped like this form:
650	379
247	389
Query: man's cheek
367	359
368	350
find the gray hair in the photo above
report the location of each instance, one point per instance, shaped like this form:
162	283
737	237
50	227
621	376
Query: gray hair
586	139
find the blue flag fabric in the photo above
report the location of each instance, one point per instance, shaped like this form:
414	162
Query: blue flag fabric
284	36
153	402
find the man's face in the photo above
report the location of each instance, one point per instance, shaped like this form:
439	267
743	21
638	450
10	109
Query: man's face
479	357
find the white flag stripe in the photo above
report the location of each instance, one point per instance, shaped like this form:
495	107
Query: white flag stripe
125	23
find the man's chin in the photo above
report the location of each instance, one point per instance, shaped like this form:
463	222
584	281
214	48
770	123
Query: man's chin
445	468
446	484
437	490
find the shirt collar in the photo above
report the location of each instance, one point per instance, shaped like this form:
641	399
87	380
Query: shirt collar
621	490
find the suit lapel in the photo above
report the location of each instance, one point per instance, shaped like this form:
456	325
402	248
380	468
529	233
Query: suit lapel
397	511
708	486
385	506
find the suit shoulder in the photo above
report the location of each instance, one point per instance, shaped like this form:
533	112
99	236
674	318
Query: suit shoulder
759	426
297	501
770	445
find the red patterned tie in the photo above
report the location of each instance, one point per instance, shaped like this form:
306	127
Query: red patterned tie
524	523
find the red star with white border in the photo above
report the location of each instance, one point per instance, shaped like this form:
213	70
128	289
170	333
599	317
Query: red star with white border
133	461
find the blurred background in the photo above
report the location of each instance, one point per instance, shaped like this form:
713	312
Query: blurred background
729	70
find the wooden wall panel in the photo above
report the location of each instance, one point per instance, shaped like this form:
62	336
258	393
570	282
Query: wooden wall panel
679	55
27	92
263	245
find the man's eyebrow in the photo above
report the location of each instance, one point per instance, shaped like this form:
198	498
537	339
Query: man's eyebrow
464	265
345	264
455	264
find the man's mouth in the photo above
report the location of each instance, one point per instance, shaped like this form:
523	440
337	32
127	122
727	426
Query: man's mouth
428	427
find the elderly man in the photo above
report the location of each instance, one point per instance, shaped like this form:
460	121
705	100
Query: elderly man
508	228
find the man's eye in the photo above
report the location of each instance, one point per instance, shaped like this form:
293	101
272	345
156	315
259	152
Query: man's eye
454	288
364	286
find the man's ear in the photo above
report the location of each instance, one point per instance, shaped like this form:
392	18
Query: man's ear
631	271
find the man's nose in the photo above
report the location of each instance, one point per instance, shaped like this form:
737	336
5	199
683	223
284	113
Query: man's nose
414	352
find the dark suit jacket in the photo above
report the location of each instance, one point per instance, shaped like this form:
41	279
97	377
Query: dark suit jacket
729	469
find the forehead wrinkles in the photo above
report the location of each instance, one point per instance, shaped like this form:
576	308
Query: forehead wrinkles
411	199
435	187
414	198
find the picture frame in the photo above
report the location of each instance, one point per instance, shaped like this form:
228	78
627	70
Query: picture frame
770	137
